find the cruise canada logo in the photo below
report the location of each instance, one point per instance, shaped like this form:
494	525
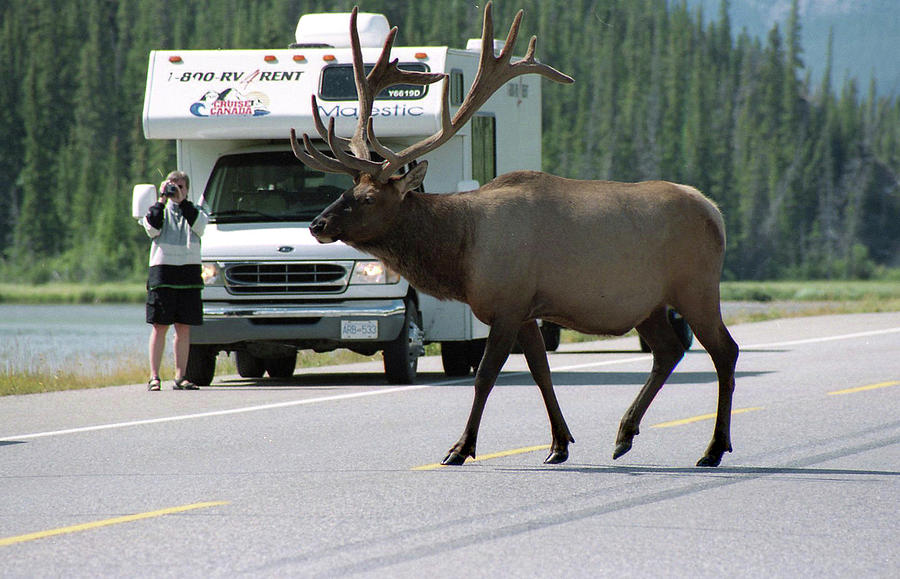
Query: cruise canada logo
231	103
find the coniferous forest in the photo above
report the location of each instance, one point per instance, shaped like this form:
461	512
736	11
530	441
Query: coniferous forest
808	178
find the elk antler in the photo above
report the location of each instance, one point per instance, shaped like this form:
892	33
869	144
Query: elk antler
385	74
493	73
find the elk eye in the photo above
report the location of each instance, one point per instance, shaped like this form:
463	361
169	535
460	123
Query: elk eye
367	200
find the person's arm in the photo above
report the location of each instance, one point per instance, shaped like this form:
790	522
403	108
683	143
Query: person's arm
196	216
153	221
189	210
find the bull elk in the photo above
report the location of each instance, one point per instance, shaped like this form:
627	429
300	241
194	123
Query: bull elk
599	257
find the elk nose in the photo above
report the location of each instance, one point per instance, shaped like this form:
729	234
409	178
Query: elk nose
317	226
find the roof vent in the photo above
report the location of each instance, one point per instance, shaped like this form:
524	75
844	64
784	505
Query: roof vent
474	45
333	30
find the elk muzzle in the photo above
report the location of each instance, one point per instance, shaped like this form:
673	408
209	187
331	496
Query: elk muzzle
325	227
319	228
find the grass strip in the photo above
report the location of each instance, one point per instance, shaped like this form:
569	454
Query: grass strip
757	291
836	297
73	293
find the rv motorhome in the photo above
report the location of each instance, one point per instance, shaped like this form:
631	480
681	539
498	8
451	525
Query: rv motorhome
270	288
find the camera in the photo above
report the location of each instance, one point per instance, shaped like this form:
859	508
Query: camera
170	190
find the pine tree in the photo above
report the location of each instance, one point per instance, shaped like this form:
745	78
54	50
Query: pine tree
824	238
807	181
720	128
91	129
11	63
39	230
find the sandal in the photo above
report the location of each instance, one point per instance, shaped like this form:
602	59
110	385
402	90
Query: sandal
185	384
154	384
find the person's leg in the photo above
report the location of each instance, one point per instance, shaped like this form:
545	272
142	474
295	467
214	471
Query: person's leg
182	349
157	347
159	316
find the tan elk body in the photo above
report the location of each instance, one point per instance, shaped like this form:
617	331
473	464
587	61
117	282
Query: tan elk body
599	257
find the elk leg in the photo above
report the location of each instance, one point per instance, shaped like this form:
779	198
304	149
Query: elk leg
499	343
667	352
724	352
536	355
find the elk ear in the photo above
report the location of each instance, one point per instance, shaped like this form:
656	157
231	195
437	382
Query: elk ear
414	178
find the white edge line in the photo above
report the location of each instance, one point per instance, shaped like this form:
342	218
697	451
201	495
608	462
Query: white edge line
824	339
214	413
286	404
394	390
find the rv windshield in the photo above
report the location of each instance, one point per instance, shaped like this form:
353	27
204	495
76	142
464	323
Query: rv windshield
270	186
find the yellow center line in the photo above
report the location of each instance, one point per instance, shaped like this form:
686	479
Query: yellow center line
692	419
107	522
864	388
500	454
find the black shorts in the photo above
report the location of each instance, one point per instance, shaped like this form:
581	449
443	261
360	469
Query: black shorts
169	306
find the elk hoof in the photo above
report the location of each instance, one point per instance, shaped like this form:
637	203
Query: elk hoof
714	454
621	449
557	457
709	461
453	459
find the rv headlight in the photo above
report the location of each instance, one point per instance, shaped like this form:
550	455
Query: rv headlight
210	274
372	272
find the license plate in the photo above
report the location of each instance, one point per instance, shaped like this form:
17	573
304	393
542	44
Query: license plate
359	330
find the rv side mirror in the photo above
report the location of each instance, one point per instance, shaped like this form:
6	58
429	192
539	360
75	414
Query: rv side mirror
143	196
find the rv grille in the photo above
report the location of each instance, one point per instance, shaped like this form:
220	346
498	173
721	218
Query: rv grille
286	278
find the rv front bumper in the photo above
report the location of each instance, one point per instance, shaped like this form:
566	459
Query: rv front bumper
307	325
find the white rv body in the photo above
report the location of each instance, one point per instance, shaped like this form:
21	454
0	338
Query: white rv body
232	104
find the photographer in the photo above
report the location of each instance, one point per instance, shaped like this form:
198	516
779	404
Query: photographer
174	281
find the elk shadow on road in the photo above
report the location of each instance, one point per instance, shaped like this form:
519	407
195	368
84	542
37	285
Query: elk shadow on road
800	468
737	472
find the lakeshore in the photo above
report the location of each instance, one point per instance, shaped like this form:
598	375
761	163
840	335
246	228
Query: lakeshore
45	347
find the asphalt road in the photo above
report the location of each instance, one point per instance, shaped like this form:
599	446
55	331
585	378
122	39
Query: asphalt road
332	473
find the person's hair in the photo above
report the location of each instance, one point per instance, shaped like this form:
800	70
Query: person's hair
179	175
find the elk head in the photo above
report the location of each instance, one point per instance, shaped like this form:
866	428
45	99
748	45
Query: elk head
365	211
362	213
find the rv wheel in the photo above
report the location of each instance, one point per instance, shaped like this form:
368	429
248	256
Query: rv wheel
455	359
682	330
281	367
201	365
401	357
248	365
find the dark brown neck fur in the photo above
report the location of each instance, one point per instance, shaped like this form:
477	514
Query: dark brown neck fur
428	243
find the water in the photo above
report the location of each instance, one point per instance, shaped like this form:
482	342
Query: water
98	339
85	339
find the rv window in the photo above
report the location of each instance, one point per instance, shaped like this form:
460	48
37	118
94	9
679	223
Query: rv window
456	87
271	186
337	84
484	149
